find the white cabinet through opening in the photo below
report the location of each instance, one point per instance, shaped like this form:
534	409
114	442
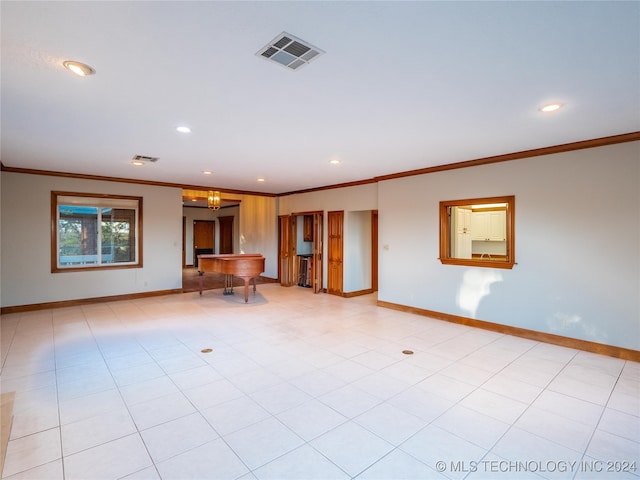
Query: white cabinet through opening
489	226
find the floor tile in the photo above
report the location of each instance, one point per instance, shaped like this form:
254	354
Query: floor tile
234	415
518	445
350	401
311	419
213	393
78	408
391	423
472	426
34	419
32	451
263	442
424	405
148	390
399	465
554	427
352	447
381	385
149	473
317	382
213	460
447	387
160	410
97	430
438	448
110	460
48	471
494	405
569	407
302	463
279	398
612	448
620	424
177	436
255	380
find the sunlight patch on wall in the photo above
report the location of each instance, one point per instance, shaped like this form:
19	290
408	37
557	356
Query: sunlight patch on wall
476	284
572	324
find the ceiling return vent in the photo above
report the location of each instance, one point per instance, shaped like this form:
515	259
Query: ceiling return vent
144	158
289	51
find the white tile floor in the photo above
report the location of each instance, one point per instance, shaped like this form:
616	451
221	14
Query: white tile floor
304	386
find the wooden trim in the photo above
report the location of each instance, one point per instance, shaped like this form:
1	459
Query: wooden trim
567	147
54	233
357	293
86	301
445	234
330	187
585	345
82	176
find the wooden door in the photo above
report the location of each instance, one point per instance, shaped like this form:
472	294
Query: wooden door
335	222
184	241
203	238
286	250
374	250
317	251
226	234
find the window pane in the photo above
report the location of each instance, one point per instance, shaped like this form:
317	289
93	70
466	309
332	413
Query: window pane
95	231
77	235
118	235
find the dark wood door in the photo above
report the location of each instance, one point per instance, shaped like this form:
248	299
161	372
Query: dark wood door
286	250
226	234
317	251
203	238
335	227
374	250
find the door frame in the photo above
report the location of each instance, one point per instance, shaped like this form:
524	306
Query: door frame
288	267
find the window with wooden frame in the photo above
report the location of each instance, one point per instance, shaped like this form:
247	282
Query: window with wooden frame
95	231
478	232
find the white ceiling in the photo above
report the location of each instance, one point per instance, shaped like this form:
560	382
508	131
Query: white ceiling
402	86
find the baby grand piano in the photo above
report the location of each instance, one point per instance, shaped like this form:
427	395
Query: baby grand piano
247	266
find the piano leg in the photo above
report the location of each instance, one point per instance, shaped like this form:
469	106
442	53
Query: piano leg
246	290
228	284
200	275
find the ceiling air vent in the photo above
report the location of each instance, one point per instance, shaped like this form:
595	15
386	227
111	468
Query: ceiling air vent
144	158
289	51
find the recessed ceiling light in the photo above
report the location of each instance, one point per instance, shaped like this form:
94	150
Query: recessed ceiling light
552	107
334	161
183	129
137	163
261	179
207	172
81	69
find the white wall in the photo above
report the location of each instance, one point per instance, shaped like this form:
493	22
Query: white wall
26	242
357	251
577	234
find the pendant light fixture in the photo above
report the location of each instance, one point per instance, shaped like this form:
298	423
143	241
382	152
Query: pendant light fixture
213	200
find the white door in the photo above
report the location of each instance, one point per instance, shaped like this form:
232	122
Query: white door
462	219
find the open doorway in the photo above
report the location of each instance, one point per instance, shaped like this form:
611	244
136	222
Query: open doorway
206	231
300	250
